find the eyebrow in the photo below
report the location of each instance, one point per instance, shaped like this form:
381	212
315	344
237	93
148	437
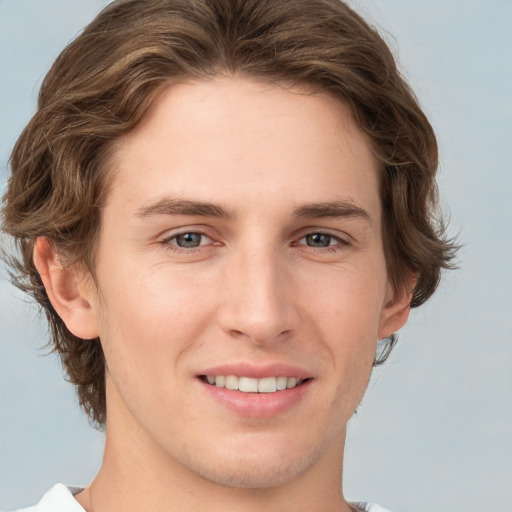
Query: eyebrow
170	206
173	206
333	210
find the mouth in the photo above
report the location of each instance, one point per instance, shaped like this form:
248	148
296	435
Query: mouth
253	385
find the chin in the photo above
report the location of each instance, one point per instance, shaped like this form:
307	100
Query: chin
263	477
250	469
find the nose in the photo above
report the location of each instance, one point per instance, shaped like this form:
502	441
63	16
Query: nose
259	300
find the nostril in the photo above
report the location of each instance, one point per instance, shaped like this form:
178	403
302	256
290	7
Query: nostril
261	336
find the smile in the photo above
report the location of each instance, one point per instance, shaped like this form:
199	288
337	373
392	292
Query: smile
252	385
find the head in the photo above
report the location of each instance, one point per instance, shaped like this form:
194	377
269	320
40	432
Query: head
102	86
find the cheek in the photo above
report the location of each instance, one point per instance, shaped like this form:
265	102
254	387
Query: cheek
148	321
345	310
349	300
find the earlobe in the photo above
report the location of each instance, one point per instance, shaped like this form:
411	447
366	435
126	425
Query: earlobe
66	288
396	310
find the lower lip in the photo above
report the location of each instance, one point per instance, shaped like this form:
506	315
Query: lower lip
257	405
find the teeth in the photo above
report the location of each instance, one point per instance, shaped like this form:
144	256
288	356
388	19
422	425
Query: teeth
291	382
231	382
267	385
250	385
281	383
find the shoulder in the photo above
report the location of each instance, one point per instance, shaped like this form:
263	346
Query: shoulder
368	507
371	507
58	499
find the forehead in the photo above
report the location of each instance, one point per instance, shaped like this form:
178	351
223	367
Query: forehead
237	139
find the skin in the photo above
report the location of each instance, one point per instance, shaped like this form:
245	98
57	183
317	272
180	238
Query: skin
260	288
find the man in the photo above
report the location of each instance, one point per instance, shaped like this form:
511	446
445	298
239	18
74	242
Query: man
222	206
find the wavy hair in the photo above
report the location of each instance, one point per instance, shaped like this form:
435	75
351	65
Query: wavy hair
103	82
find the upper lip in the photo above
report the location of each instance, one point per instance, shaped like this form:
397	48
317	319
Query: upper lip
257	371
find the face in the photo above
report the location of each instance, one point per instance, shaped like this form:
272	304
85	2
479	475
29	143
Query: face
241	248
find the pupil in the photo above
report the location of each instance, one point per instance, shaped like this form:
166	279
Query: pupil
189	240
318	240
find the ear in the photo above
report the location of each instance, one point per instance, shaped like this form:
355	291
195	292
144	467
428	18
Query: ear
68	288
396	308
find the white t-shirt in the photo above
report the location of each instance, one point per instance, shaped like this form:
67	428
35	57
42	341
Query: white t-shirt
60	499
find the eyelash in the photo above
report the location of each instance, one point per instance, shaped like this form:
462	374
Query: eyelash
166	242
340	244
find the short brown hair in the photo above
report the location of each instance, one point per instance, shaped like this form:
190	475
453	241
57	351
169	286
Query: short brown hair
102	84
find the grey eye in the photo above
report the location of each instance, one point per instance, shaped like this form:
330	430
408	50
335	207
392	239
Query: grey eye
318	240
189	240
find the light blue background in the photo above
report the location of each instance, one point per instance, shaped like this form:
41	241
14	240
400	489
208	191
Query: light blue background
434	431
